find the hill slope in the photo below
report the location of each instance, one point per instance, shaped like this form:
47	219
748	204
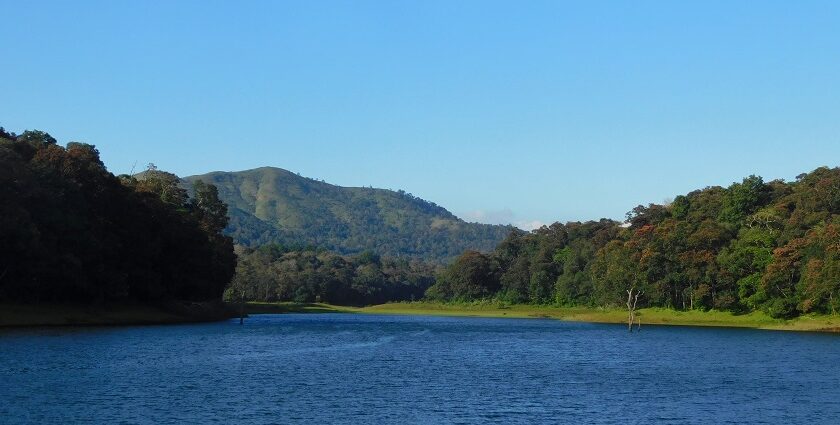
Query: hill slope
274	205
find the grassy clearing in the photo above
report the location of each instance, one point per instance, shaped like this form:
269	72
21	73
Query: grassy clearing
292	307
648	316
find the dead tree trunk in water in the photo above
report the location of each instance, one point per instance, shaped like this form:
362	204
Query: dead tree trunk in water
242	307
632	300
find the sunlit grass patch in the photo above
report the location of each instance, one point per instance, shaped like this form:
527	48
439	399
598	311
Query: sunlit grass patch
490	308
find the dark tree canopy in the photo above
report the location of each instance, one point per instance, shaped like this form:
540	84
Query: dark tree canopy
473	275
70	231
305	274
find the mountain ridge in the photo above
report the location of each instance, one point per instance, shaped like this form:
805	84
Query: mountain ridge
274	205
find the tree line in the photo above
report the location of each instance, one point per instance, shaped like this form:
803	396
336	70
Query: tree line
305	274
755	245
70	231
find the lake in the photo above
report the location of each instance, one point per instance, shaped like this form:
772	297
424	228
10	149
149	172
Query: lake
353	368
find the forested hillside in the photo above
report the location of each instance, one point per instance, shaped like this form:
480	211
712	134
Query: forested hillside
755	245
271	205
72	232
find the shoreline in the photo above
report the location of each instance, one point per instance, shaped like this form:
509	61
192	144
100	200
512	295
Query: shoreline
648	316
15	316
61	315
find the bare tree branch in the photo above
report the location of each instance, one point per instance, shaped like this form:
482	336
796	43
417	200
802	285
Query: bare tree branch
632	302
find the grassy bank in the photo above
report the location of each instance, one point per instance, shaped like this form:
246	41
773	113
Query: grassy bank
114	315
648	316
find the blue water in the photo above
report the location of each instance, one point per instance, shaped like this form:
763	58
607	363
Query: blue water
341	368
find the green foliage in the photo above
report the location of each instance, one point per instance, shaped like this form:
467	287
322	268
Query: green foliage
753	246
472	276
70	231
680	207
273	273
163	184
743	198
271	205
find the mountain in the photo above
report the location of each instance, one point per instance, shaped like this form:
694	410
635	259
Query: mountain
272	205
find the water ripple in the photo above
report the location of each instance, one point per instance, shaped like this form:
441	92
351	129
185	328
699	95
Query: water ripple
416	370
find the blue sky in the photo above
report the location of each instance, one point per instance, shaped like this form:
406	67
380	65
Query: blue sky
520	112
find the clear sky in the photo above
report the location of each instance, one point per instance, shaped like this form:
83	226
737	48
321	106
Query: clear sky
518	111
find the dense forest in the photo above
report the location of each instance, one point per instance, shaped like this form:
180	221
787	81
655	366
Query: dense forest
72	232
305	274
755	245
271	205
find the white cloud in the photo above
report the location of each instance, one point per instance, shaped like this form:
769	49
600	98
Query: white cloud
529	224
504	216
